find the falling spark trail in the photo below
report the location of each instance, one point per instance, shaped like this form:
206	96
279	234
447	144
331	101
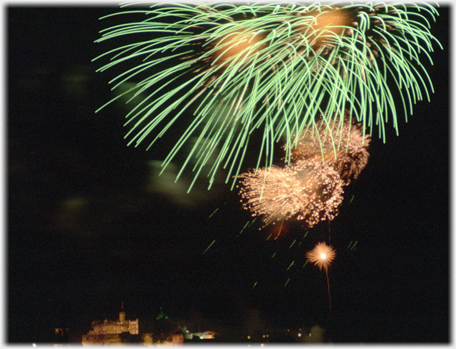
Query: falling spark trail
280	230
352	247
290	265
292	244
253	221
245	226
330	309
212	213
209	247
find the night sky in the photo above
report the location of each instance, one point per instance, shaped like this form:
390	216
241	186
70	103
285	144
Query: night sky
91	225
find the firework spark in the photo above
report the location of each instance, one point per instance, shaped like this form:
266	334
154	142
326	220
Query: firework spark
321	255
275	65
309	189
306	190
341	143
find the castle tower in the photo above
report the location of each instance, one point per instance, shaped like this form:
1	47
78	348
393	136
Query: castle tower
61	335
122	315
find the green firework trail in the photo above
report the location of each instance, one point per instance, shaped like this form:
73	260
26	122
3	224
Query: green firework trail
239	70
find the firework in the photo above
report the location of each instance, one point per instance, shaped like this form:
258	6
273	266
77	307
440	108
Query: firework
310	188
321	255
340	143
307	191
270	68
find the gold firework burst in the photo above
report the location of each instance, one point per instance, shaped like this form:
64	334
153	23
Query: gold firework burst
321	255
340	142
307	190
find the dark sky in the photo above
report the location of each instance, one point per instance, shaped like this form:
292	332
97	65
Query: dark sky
90	225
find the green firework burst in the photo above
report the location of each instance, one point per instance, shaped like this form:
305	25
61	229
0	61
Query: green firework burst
268	68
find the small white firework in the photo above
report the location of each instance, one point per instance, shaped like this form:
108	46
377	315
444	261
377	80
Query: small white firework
321	255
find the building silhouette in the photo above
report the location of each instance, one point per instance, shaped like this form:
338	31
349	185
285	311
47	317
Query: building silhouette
162	330
113	332
61	335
